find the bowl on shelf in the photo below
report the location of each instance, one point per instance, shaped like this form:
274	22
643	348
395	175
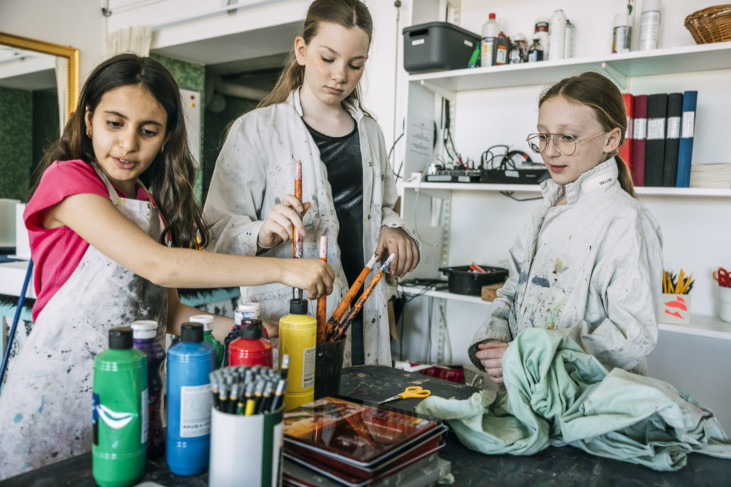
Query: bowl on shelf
461	280
712	24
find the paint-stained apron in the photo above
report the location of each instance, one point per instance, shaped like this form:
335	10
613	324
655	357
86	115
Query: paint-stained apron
45	407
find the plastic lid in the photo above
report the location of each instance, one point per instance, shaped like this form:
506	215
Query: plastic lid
298	307
142	329
251	328
247	307
120	338
191	332
205	320
621	19
651	5
491	16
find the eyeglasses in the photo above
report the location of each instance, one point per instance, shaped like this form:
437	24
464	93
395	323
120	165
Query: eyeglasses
564	144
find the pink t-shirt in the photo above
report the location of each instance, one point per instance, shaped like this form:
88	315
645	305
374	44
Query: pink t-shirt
57	252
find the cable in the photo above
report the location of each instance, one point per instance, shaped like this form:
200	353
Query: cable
509	194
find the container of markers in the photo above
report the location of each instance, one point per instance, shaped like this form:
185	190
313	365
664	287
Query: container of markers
246	427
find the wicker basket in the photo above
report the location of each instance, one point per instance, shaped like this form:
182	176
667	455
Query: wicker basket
712	24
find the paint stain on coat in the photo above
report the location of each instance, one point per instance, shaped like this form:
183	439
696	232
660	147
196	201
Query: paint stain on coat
18	418
540	281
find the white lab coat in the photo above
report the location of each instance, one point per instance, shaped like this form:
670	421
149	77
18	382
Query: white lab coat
254	172
592	268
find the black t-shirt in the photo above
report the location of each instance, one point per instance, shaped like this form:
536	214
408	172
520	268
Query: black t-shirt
343	160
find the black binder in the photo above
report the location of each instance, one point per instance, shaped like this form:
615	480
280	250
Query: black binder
655	148
672	139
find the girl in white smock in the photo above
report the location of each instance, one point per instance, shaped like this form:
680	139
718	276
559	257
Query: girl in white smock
589	261
313	115
95	234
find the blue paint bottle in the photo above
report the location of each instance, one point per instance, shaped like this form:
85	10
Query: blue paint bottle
190	362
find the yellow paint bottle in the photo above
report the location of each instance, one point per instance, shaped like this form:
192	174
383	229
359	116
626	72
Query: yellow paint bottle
298	339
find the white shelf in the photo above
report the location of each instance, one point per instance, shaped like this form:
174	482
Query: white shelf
532	188
701	325
419	291
620	67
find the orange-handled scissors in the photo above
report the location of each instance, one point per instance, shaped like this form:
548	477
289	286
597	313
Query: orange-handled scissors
409	393
723	277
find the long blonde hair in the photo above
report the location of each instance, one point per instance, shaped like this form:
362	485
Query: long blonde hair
347	13
602	95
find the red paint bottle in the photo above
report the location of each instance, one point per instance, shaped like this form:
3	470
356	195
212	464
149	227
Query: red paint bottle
251	348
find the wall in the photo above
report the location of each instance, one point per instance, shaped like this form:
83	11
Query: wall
16	142
216	127
75	23
189	76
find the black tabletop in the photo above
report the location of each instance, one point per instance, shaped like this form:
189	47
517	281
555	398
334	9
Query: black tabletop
566	466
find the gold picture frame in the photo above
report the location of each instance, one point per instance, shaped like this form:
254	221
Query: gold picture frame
71	55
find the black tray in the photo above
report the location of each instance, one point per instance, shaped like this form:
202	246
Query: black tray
460	280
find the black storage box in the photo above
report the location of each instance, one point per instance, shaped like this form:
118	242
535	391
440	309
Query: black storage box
461	281
437	46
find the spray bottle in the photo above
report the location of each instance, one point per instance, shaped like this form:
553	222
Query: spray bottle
190	362
298	339
119	414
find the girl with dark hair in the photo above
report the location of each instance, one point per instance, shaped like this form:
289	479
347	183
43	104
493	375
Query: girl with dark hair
589	262
108	251
313	115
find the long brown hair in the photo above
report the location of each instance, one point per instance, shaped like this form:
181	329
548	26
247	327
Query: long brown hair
598	92
172	173
346	13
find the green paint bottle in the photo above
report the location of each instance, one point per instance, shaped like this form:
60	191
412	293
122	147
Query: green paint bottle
207	322
119	414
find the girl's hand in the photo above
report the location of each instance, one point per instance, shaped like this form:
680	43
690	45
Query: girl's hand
281	221
272	328
313	275
397	241
490	355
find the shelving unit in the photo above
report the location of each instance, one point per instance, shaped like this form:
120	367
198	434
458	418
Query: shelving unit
619	67
531	188
461	222
700	325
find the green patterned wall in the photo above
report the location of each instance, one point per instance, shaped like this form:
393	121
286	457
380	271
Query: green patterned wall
16	142
189	76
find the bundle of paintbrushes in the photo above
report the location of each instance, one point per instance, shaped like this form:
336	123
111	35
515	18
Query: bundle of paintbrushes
248	390
334	329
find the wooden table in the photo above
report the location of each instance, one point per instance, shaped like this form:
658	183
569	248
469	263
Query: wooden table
565	466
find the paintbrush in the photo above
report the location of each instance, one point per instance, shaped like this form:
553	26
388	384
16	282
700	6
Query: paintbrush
322	300
337	315
359	304
297	250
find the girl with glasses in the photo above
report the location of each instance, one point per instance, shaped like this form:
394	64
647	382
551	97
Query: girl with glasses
589	261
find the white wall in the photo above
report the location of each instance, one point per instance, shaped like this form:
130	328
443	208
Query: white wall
74	23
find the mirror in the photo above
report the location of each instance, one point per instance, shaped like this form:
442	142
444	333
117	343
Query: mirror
39	84
9	63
